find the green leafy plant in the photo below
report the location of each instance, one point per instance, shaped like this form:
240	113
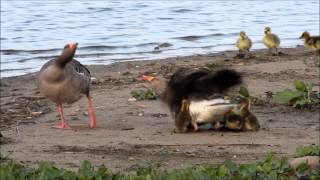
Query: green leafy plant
245	94
213	65
144	94
269	168
301	95
308	151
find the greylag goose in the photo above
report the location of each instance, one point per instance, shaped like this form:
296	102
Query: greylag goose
271	41
243	43
196	97
311	42
65	80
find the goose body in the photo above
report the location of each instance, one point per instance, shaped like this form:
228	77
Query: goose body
65	85
270	40
209	111
66	80
196	96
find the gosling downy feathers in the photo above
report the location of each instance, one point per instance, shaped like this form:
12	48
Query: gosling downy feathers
311	42
271	41
241	118
65	80
244	43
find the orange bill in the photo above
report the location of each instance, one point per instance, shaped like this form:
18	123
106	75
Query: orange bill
148	78
73	45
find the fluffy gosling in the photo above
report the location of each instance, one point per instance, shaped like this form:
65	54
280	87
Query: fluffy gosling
271	41
244	43
311	42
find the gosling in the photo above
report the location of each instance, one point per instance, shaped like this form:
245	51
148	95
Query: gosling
241	118
244	44
311	42
271	40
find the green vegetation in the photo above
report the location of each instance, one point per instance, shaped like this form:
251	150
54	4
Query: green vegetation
213	65
144	94
244	94
302	95
308	151
270	168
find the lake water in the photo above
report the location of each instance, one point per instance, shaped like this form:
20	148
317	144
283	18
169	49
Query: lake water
33	32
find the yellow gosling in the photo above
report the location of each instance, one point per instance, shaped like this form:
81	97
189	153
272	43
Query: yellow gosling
311	42
244	43
271	41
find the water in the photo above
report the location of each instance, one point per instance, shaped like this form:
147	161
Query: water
33	32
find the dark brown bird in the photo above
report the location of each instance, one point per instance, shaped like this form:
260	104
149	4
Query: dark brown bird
65	80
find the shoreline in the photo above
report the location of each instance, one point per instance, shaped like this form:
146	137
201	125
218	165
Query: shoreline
168	58
140	132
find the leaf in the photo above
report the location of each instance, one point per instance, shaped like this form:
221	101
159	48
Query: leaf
308	151
231	165
222	171
300	102
267	167
300	85
86	170
300	152
287	95
302	169
252	170
244	92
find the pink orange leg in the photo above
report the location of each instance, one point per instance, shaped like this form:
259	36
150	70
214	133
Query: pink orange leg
91	112
63	124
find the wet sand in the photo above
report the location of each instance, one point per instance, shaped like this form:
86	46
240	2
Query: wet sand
140	133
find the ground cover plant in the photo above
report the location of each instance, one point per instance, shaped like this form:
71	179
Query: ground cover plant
144	94
245	94
271	167
308	151
301	95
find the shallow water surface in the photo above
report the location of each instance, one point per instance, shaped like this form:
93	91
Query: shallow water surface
33	32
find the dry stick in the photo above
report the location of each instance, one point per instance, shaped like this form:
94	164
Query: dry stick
17	128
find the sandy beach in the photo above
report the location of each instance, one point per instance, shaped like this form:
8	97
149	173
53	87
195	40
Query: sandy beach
133	134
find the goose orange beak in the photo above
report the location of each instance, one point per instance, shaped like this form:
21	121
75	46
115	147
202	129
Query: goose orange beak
147	78
73	46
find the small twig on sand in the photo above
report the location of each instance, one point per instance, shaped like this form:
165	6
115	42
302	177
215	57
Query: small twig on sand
17	128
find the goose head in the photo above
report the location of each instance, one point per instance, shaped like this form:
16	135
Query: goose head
267	30
67	54
243	34
305	35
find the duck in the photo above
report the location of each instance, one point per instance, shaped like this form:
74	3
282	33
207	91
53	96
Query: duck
195	96
65	80
271	41
244	43
311	42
